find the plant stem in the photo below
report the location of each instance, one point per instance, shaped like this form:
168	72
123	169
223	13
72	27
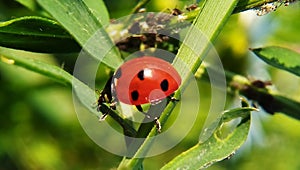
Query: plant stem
256	91
244	5
140	5
210	21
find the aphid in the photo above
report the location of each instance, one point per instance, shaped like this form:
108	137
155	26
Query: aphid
266	8
192	7
176	12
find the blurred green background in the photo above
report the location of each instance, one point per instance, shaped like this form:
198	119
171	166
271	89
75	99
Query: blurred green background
39	128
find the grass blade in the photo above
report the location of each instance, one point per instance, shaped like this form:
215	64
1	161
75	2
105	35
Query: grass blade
98	9
81	23
36	34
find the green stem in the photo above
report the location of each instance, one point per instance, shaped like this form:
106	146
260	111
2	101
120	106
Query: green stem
244	5
140	5
210	21
256	91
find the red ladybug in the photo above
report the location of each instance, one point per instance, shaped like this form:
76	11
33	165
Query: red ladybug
145	80
141	80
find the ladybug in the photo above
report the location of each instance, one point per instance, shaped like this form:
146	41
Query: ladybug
140	81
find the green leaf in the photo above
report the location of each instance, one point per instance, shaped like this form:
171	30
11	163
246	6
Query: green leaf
226	139
36	34
280	57
86	94
81	23
99	10
30	4
210	20
34	6
54	72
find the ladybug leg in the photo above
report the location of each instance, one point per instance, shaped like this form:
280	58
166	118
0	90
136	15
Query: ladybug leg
103	99
139	107
113	105
173	99
104	113
102	118
157	124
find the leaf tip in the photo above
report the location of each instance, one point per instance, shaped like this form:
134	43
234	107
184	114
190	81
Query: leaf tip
254	49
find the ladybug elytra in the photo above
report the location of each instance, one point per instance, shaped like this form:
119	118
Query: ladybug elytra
140	81
145	80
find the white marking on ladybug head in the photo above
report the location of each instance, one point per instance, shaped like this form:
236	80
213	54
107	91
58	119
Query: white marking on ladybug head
148	73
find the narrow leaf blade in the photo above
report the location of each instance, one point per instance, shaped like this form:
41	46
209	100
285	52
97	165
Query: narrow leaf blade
280	57
30	4
215	148
87	95
81	23
99	10
51	71
36	34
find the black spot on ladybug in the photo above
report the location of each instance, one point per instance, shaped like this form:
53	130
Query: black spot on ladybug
135	95
164	85
140	75
118	73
